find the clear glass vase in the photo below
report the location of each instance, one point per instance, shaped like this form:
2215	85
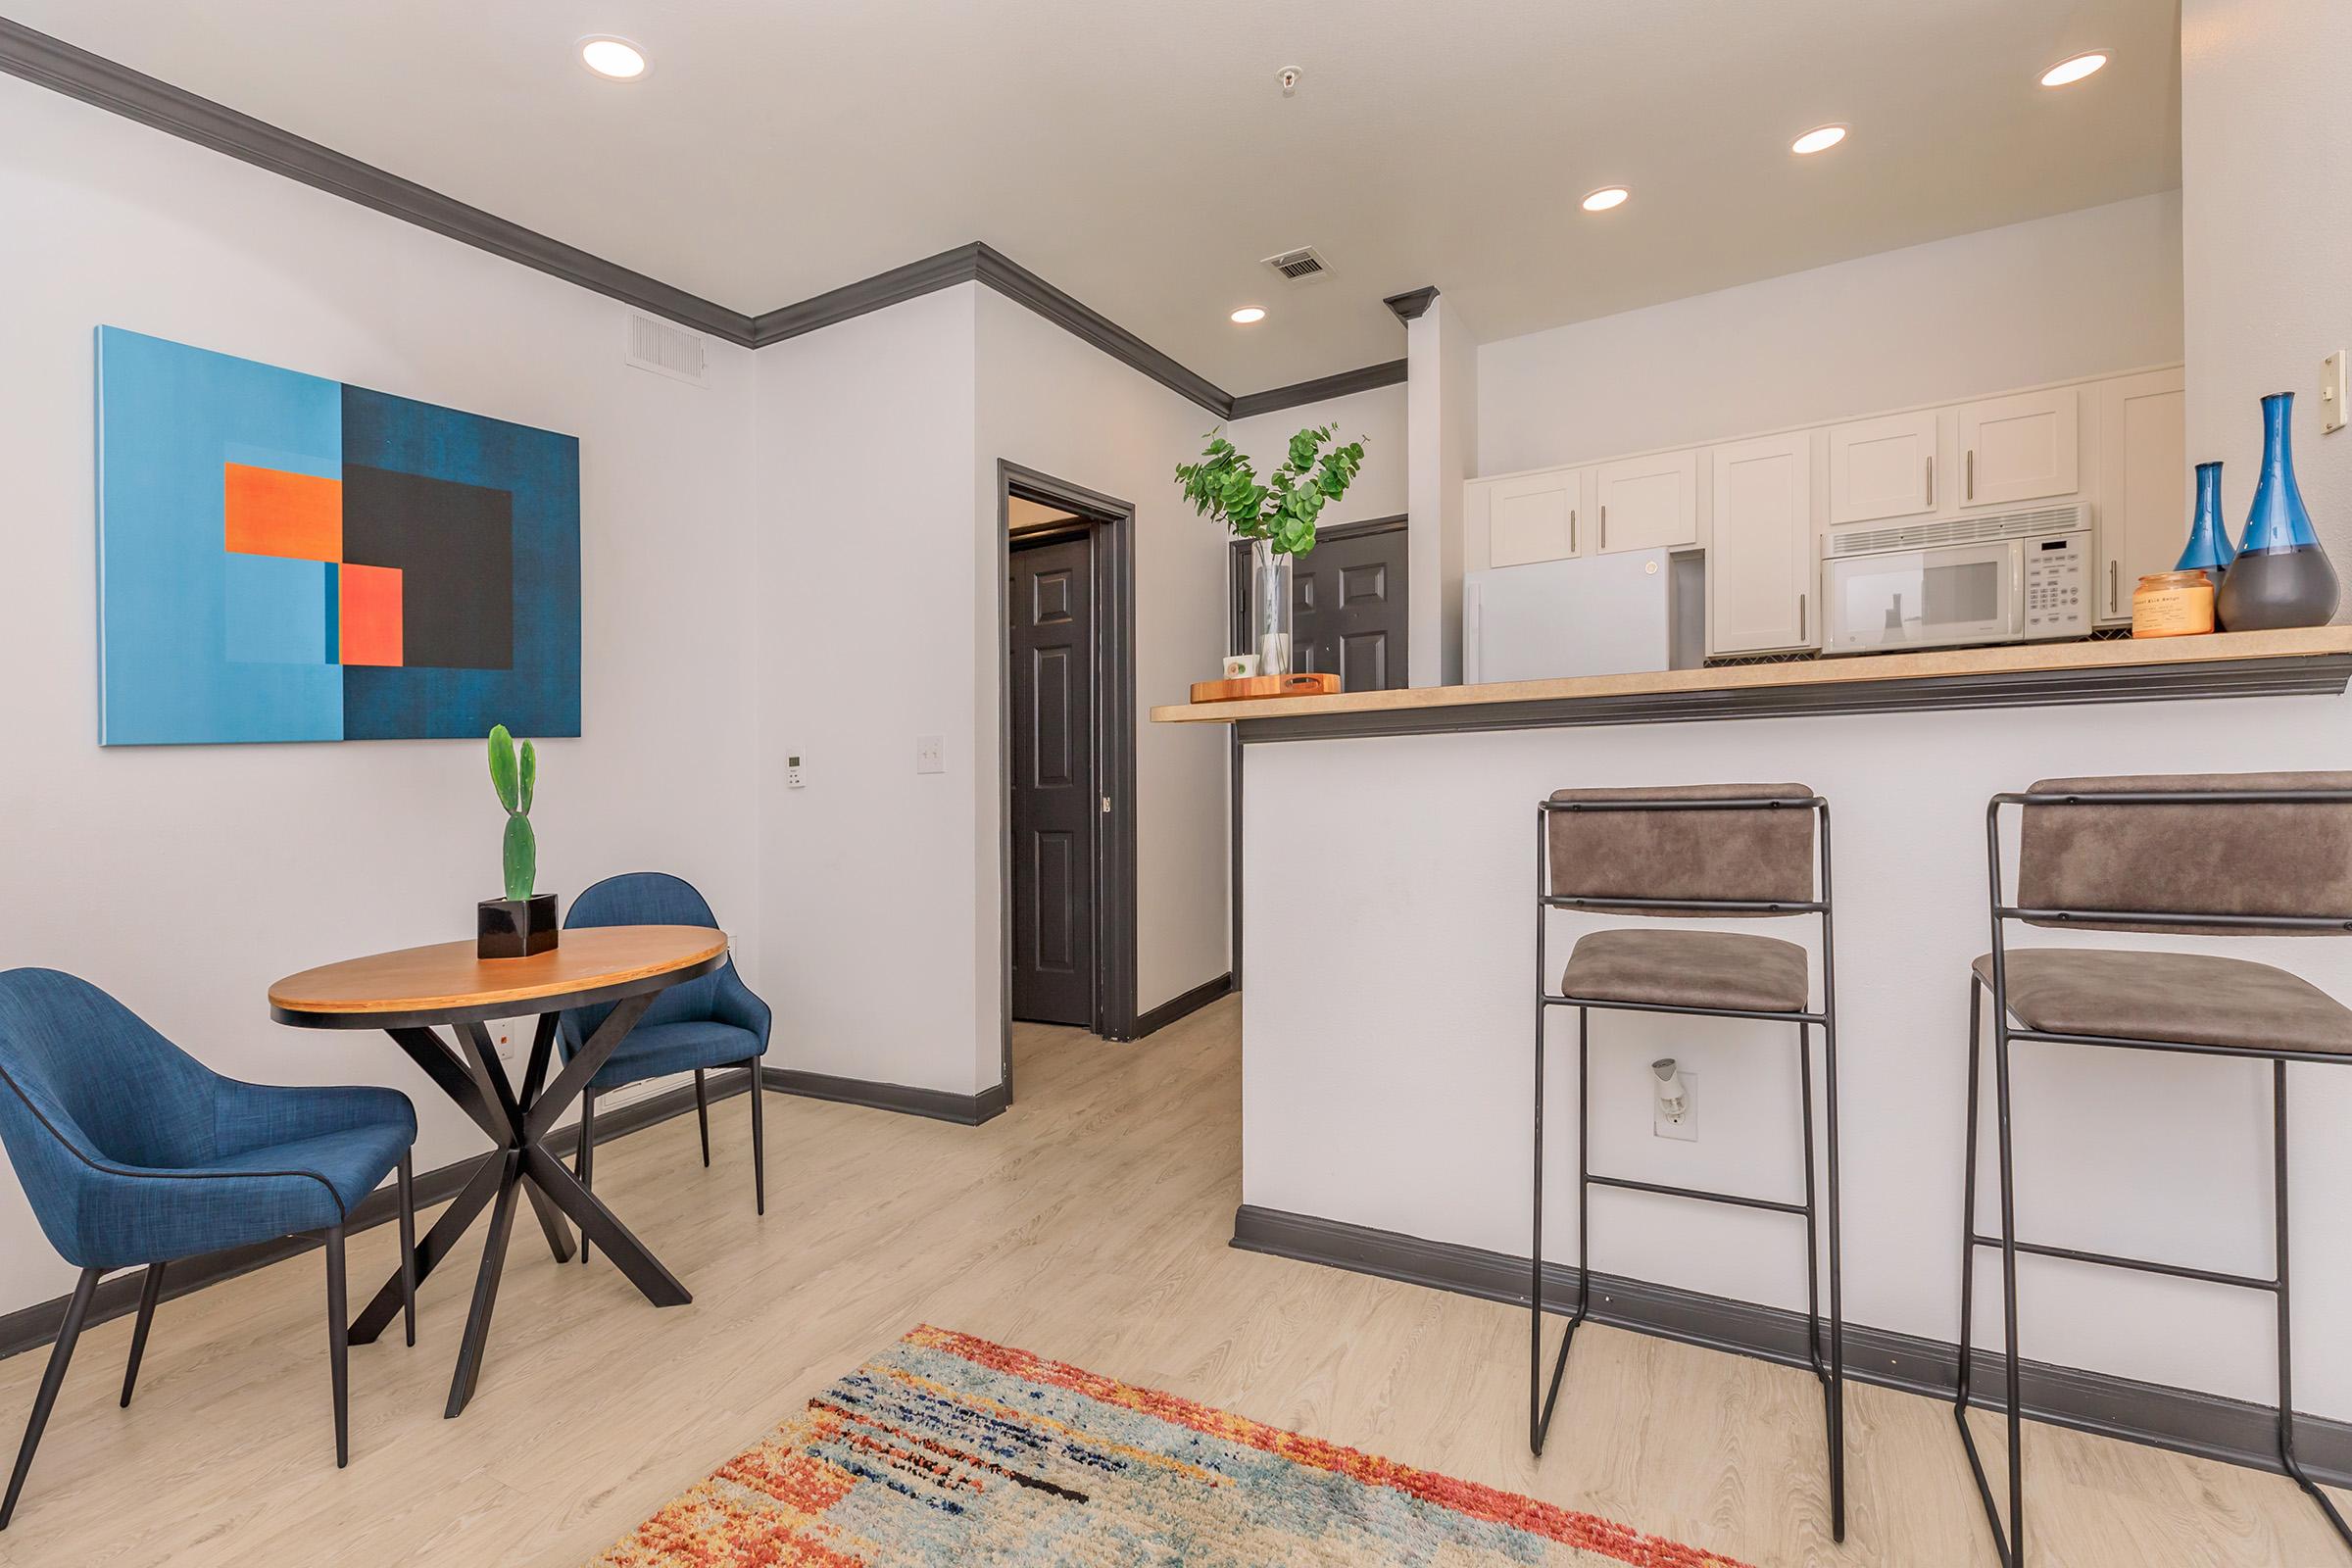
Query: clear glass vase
1270	606
2281	576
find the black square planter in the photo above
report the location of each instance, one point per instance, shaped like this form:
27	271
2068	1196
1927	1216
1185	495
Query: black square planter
514	928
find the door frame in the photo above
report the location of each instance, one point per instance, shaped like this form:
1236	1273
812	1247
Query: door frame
1236	637
1110	523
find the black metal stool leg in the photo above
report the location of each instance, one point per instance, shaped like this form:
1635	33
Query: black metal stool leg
584	1167
1804	1112
151	1289
2012	1373
78	1311
758	1139
1837	1389
702	1114
408	1245
2286	1384
338	1344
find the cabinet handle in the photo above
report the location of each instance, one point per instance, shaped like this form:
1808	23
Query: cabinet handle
1605	526
1800	617
2112	606
1931	481
1971	493
1572	530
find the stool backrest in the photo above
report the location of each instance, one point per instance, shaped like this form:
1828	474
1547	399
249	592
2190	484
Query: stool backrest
2244	858
1748	855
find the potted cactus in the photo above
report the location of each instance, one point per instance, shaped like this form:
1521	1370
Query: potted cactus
523	922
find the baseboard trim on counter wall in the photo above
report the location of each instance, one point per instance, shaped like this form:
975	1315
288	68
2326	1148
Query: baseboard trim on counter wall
1183	1004
939	1105
2184	1420
31	1326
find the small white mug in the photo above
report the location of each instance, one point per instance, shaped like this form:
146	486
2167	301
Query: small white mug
1240	666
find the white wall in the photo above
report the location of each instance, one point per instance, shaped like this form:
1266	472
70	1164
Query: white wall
1443	411
185	879
1375	418
1049	403
1386	1079
865	572
2076	295
2268	203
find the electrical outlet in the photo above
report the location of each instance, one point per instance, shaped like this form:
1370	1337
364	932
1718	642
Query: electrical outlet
1684	1129
930	754
2331	393
791	774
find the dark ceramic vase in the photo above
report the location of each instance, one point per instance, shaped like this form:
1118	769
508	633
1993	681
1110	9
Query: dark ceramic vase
2281	576
514	928
2209	549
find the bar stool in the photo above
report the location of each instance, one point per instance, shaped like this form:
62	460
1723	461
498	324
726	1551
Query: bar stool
1712	849
2215	855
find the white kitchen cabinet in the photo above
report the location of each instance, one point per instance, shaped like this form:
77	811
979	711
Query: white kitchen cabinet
1760	547
1648	503
2022	448
2143	484
1531	517
1883	468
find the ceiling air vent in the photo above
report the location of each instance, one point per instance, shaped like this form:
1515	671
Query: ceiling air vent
1301	265
667	350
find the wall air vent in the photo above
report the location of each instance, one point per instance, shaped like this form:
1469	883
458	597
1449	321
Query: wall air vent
2074	518
666	349
1301	265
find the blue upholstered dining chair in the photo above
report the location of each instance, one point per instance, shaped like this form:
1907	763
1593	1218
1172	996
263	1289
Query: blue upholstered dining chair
711	1022
133	1153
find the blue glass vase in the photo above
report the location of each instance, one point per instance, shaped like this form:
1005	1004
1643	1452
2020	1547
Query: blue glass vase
2280	577
2209	548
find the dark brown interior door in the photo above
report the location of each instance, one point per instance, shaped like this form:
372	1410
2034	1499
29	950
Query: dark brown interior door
1347	605
1051	615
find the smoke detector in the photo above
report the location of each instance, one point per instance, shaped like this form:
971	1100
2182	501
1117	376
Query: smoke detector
1302	265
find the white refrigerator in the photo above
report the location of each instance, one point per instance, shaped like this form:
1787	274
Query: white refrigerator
1594	615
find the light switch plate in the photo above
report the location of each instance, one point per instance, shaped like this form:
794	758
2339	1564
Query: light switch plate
2331	393
930	754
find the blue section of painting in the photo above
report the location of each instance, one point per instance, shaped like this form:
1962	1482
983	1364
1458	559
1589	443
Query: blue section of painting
540	694
276	611
170	417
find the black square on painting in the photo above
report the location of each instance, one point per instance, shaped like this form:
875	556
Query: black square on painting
454	545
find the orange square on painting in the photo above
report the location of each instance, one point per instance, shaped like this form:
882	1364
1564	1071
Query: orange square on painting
269	512
368	610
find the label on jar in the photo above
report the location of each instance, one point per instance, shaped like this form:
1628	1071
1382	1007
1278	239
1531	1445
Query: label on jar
2172	611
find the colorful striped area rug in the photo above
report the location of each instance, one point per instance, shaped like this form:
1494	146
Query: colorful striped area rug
951	1450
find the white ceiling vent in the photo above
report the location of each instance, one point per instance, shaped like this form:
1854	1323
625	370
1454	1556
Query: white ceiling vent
1301	265
666	349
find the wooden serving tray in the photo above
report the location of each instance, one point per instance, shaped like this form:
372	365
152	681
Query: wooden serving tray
1249	686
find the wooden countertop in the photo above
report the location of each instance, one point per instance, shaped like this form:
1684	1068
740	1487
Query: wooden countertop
2307	661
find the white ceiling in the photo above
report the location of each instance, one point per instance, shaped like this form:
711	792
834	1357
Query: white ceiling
1141	155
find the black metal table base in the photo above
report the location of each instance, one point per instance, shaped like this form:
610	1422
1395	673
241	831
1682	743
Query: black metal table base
517	1118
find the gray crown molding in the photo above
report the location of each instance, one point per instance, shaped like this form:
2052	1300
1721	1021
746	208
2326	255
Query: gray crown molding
1369	377
2184	1420
1409	305
94	80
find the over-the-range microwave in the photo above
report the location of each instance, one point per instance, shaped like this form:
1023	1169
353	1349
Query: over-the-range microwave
2012	577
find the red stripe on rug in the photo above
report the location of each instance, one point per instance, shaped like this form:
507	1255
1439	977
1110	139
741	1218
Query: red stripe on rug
1584	1531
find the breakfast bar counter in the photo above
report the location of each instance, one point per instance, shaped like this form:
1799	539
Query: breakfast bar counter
1386	967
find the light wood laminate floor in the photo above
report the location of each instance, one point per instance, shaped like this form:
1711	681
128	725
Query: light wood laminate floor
1088	1224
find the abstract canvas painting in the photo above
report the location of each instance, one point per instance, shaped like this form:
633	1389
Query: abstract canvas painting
283	558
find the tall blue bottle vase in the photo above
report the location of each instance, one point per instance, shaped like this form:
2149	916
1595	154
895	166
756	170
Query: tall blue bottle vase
2209	549
2280	577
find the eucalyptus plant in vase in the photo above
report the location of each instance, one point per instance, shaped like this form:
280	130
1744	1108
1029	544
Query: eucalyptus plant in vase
523	922
1277	518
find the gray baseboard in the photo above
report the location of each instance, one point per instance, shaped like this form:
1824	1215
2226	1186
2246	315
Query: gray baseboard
2180	1419
1183	1004
939	1105
31	1326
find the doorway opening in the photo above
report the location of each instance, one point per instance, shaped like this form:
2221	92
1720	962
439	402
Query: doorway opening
1066	750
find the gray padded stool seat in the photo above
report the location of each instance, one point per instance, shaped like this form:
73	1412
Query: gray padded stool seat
2209	854
1713	852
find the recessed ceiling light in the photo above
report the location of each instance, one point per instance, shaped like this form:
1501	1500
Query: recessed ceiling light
614	57
2072	70
1247	315
1820	140
1608	196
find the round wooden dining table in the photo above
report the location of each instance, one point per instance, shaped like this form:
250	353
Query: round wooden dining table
414	993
